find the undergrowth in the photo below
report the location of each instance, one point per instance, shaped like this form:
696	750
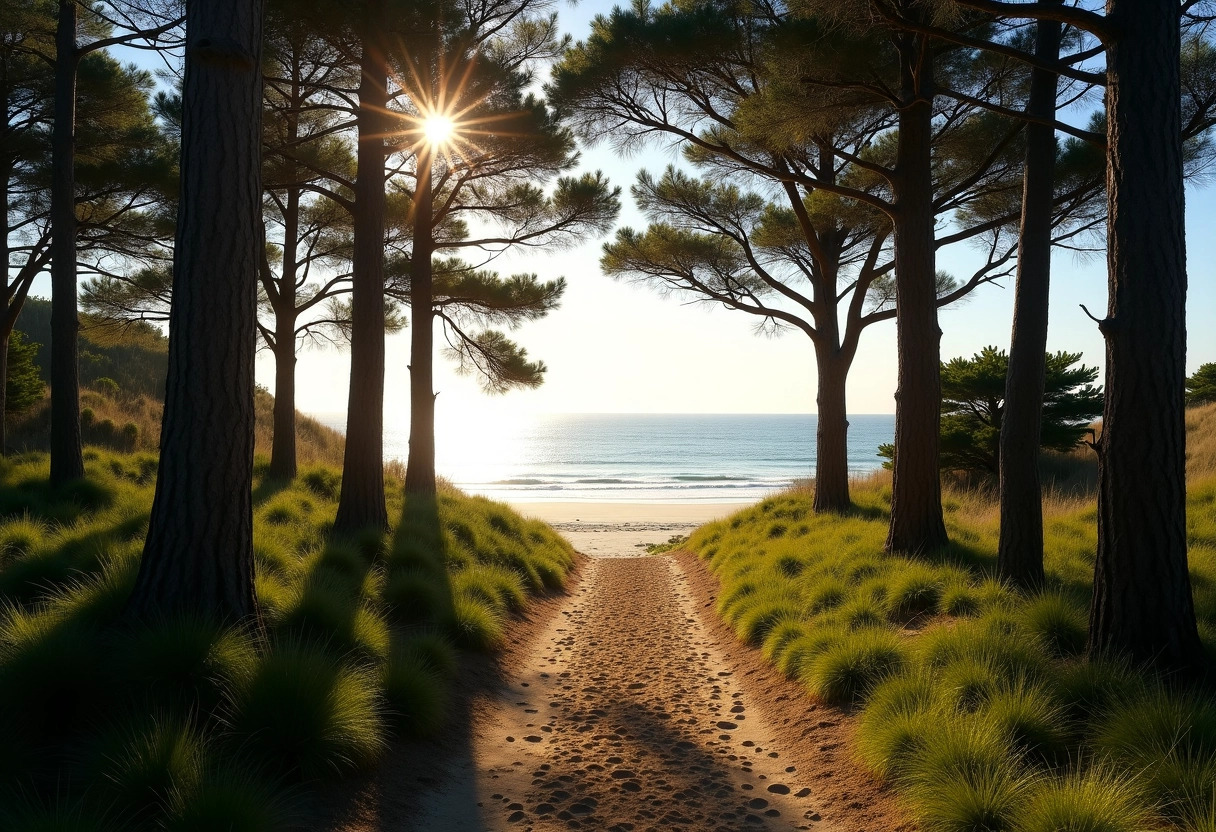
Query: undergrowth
189	726
975	701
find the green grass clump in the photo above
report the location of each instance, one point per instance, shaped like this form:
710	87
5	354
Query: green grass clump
498	586
1096	801
848	670
30	814
963	778
51	672
976	701
476	624
230	797
181	724
1029	718
140	766
416	595
901	712
916	589
184	664
416	692
305	711
1058	622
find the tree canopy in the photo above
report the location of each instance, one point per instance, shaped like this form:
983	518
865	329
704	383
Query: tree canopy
973	400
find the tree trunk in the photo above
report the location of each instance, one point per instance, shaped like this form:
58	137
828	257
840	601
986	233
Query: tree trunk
6	171
4	339
420	469
1142	605
1020	553
361	503
916	498
832	433
199	552
67	461
283	448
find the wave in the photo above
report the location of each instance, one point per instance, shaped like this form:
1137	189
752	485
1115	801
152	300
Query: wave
708	478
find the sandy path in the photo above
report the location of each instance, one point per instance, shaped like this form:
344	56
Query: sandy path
623	718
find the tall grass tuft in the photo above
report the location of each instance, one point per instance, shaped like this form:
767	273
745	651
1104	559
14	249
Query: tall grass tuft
976	701
1096	801
307	711
849	669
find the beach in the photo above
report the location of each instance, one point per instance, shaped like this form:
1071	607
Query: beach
623	529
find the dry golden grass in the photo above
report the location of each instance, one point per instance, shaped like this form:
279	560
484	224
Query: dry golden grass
128	422
1201	442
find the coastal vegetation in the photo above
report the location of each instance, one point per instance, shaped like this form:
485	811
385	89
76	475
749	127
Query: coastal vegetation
188	635
189	723
976	699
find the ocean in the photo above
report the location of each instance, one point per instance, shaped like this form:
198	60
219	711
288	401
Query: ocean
636	458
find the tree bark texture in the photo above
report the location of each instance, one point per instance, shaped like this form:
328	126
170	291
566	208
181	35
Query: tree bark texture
1142	605
361	503
67	460
4	339
9	318
283	446
832	433
916	498
199	551
420	469
283	464
1020	552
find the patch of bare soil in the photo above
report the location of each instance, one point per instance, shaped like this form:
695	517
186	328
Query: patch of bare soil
816	738
628	706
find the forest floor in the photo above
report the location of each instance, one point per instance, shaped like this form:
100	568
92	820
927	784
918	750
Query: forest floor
625	704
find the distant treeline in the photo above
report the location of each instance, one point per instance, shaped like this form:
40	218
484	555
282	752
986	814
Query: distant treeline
136	358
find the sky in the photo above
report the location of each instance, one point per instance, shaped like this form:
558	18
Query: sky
615	347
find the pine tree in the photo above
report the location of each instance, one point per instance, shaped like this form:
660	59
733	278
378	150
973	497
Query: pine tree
505	148
1142	604
734	89
198	556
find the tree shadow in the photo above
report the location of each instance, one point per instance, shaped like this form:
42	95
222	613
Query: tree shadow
266	487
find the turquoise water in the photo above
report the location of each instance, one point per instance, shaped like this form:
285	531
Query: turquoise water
638	458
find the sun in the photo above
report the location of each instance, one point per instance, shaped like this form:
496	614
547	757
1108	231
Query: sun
437	129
